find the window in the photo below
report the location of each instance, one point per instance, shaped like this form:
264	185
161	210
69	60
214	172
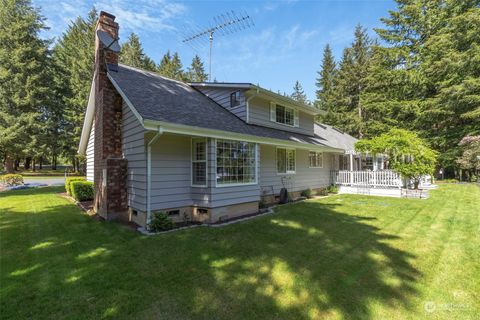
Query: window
368	163
285	160
283	115
173	212
199	162
316	159
235	99
236	162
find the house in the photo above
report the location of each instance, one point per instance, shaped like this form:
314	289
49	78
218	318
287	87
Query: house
202	151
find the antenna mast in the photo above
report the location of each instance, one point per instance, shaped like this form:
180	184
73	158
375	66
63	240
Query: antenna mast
224	24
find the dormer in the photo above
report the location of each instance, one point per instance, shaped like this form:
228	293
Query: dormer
262	107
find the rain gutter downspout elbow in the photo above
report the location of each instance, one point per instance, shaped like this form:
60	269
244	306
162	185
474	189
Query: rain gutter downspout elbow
149	174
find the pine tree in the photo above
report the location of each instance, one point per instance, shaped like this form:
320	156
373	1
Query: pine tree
351	83
23	89
176	68
74	59
196	71
326	82
171	67
164	68
132	54
298	93
431	53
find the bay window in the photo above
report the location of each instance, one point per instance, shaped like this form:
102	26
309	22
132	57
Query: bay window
285	160
236	162
199	162
315	159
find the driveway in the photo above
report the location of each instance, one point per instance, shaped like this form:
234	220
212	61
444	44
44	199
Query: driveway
51	181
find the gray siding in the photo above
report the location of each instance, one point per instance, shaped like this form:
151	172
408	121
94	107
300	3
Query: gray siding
133	144
171	186
304	176
222	97
259	113
90	154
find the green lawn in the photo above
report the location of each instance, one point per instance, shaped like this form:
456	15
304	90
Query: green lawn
340	257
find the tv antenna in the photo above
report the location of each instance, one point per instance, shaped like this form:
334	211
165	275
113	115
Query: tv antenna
224	24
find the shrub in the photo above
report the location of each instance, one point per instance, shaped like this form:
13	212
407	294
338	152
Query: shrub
307	193
82	190
332	189
160	222
12	179
322	192
69	181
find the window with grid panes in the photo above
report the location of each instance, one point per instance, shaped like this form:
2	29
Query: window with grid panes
316	159
236	162
199	162
285	160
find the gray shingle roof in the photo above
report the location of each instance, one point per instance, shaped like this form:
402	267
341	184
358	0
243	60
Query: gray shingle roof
334	137
162	99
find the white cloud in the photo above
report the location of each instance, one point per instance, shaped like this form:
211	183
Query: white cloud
143	15
138	16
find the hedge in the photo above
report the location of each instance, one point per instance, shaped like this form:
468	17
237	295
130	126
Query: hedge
12	179
68	182
82	190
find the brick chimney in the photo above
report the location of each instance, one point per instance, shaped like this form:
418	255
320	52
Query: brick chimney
110	168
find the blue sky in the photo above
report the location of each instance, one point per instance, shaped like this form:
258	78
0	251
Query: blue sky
285	45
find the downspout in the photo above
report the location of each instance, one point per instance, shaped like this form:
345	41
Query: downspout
149	173
248	104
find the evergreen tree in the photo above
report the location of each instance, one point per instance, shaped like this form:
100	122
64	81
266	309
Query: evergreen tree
430	77
351	83
165	65
23	89
74	59
171	67
176	68
196	71
326	82
298	93
132	54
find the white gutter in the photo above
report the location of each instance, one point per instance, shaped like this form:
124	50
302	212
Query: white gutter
152	125
149	173
248	103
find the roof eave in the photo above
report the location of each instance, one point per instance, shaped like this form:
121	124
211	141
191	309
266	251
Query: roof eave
88	120
154	125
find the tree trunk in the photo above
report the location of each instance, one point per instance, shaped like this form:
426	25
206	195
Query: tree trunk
416	182
16	164
33	164
360	133
27	162
40	163
9	164
54	162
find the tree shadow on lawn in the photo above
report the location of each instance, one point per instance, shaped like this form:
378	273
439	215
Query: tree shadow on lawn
307	261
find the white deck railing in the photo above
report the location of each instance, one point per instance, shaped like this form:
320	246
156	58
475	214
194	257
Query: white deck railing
372	179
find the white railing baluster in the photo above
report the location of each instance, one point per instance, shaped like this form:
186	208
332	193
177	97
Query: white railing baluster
376	179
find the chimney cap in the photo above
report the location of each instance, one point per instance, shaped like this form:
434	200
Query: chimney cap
109	15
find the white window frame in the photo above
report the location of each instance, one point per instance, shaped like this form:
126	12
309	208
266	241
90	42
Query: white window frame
287	150
195	161
223	185
273	115
317	153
